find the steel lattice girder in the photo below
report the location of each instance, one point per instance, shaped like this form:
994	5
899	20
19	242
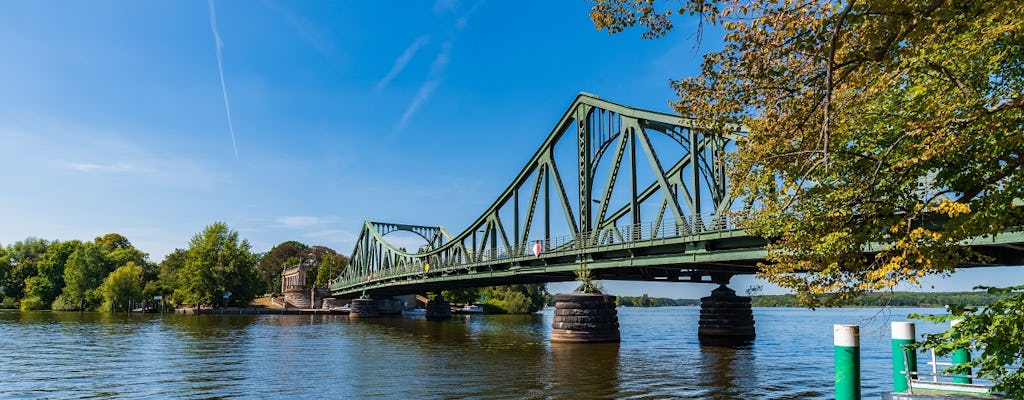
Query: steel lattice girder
600	125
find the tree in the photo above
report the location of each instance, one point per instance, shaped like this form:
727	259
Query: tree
49	282
275	261
990	329
121	287
889	126
314	257
217	263
113	241
167	281
22	257
330	267
5	268
85	270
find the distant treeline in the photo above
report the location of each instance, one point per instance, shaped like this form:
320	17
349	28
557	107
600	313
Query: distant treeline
893	299
647	301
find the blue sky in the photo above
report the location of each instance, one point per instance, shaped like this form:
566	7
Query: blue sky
113	115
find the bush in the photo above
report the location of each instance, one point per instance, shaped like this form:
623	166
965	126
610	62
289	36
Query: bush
32	303
63	303
9	303
494	307
517	303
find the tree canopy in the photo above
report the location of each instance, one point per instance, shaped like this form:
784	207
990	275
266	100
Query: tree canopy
890	123
217	263
121	287
86	268
889	126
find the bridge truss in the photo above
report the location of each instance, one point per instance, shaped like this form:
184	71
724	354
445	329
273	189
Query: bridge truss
647	199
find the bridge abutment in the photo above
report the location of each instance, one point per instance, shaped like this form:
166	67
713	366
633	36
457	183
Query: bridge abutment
725	318
439	309
585	318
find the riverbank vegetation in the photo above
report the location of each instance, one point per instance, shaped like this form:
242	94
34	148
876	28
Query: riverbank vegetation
509	299
892	299
873	299
108	273
647	301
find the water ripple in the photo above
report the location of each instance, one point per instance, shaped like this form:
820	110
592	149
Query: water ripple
71	355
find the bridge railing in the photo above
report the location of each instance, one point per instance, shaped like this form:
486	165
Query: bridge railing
638	234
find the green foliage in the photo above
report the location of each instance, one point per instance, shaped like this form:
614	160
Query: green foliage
21	259
5	269
509	299
313	258
32	303
216	262
646	301
994	331
112	241
462	296
9	303
85	270
50	281
330	267
64	303
167	282
41	290
586	279
892	126
121	287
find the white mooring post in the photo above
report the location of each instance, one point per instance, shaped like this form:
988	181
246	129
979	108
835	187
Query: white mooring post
904	361
847	361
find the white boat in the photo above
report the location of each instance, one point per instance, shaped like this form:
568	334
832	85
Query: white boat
343	310
469	309
415	312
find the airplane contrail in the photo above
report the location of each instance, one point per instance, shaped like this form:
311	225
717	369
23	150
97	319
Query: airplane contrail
220	68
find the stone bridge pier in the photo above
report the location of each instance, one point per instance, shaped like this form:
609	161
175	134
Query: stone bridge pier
725	318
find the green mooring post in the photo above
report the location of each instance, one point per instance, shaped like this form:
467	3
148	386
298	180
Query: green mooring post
960	356
904	361
847	361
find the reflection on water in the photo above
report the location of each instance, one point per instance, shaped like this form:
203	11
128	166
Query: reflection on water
723	368
587	371
61	355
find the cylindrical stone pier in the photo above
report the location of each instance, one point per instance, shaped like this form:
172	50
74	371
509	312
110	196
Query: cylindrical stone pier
363	308
725	319
439	309
585	318
902	371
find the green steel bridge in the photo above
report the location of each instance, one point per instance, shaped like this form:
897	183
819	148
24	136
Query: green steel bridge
648	201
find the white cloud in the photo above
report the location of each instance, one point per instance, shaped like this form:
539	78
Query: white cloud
299	221
421	96
306	30
403	60
111	168
427	88
442	6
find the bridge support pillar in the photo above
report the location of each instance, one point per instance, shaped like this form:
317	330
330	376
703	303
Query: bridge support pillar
725	318
585	318
363	308
439	309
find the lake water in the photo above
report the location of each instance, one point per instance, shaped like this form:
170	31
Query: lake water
62	355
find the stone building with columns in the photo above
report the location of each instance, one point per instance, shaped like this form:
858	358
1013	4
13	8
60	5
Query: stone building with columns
297	292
